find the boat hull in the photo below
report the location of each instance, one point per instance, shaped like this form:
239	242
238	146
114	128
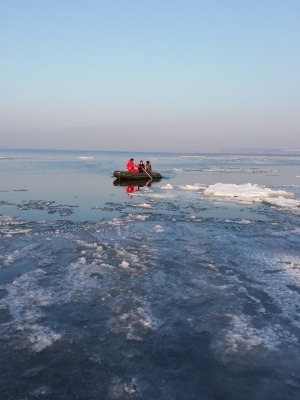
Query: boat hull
125	175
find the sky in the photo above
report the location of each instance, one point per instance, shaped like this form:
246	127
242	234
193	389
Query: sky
150	75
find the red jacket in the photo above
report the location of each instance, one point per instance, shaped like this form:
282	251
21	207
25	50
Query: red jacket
131	166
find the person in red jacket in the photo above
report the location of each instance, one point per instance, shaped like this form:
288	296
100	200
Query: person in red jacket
131	166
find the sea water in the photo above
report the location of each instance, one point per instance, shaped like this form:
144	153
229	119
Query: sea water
178	289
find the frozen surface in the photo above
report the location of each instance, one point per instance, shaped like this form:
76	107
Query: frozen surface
140	301
184	293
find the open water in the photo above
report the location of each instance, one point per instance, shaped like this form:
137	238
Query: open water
164	293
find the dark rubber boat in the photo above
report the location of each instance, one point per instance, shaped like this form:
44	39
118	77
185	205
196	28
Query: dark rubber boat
125	175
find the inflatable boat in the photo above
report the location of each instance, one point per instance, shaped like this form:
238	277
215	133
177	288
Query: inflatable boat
125	175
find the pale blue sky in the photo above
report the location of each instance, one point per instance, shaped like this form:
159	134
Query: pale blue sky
155	75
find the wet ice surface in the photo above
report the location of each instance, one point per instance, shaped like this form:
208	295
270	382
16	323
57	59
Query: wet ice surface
163	304
174	294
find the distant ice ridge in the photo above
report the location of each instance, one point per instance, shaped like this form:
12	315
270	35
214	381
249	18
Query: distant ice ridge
226	170
249	194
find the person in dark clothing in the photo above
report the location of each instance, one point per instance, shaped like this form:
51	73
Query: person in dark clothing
141	167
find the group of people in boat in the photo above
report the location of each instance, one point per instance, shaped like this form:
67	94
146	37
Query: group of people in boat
140	168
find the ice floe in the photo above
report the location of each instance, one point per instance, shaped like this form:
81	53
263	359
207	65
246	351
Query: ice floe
283	202
10	232
252	193
242	221
137	217
124	264
158	229
143	205
197	186
167	187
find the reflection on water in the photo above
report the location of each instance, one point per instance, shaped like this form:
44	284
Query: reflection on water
133	186
130	189
134	182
